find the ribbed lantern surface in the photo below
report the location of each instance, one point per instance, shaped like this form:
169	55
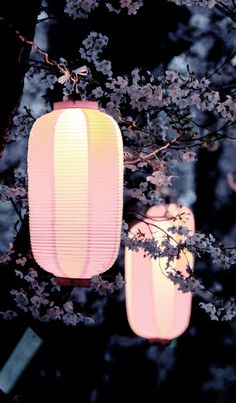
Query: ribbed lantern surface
156	309
75	173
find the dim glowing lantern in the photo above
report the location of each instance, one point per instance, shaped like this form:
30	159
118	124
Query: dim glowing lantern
75	171
156	308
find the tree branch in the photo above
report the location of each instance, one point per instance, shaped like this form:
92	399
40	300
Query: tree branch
153	153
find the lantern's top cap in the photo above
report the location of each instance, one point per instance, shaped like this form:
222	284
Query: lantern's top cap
75	104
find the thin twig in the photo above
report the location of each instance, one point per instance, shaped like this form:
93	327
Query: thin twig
153	153
24	39
226	61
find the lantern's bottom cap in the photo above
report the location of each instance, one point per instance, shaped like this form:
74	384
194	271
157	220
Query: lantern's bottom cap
163	342
73	282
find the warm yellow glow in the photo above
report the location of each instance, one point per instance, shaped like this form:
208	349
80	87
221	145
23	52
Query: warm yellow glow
71	191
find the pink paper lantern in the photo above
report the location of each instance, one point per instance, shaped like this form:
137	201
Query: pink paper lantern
156	309
75	171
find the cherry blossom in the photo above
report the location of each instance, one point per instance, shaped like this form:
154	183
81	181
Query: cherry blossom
6	257
221	310
21	260
201	3
159	179
81	8
104	287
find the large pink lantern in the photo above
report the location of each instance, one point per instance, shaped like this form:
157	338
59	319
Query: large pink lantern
75	171
156	308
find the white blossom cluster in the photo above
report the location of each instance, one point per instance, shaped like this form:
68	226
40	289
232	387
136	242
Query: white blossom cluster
143	194
180	230
104	287
82	8
197	243
39	297
142	92
6	257
93	47
36	297
37	77
166	247
201	3
131	6
14	193
185	283
172	89
222	257
220	309
17	195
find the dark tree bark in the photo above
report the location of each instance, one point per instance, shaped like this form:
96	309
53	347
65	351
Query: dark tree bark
14	16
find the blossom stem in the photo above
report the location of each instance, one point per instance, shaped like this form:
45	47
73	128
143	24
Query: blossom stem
153	153
24	39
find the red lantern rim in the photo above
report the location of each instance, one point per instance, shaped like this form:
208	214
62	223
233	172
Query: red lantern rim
75	104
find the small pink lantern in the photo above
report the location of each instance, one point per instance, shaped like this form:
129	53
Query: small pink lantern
156	308
75	171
